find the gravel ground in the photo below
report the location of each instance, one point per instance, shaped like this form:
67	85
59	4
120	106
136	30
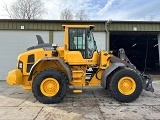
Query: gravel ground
92	104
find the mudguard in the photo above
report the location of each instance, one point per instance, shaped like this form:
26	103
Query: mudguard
53	59
111	68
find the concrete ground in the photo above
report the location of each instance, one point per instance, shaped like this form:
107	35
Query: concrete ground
93	104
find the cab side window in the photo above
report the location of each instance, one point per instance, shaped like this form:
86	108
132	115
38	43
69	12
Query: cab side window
77	40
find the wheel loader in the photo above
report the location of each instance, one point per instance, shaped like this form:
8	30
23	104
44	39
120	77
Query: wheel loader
48	69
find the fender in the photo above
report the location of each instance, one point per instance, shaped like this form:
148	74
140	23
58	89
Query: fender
51	59
111	68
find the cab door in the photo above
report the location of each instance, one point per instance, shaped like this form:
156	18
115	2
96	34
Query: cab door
80	47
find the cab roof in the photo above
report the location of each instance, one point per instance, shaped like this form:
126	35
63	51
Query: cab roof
78	26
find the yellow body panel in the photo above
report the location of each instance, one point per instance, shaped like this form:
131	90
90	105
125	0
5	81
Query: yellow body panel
94	60
26	84
96	79
27	87
74	58
104	59
61	52
38	54
14	77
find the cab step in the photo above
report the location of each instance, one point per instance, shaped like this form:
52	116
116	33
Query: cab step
77	91
77	81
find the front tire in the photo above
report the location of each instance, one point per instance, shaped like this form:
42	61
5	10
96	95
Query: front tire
49	86
125	85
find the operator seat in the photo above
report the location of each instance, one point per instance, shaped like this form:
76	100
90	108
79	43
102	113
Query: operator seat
72	44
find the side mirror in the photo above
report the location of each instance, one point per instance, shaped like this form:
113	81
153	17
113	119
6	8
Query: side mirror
91	27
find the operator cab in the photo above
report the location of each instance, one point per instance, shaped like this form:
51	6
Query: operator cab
82	39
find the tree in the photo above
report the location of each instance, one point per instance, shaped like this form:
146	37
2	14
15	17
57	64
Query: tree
81	15
26	9
66	14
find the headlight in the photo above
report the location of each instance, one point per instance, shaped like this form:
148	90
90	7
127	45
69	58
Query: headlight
20	65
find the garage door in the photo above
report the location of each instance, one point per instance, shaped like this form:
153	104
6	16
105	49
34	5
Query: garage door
58	38
12	43
100	38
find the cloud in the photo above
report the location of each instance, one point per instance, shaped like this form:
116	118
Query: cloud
150	8
56	6
53	8
131	10
106	7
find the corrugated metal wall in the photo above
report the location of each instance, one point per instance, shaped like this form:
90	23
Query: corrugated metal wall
134	26
56	25
44	24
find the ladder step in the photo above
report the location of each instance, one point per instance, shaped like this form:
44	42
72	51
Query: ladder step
77	77
77	91
78	74
77	81
77	71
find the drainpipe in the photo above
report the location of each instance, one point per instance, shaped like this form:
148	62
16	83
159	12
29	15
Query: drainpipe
51	37
107	35
158	36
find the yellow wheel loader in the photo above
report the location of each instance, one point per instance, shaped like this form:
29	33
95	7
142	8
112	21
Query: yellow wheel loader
48	70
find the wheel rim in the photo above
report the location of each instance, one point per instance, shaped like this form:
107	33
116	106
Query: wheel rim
49	87
126	85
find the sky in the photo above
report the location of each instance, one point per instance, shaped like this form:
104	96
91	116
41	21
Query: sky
138	10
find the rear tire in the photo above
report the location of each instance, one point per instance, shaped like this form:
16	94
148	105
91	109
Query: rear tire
49	86
125	85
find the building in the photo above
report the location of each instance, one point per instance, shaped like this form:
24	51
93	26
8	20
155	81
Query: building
140	39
